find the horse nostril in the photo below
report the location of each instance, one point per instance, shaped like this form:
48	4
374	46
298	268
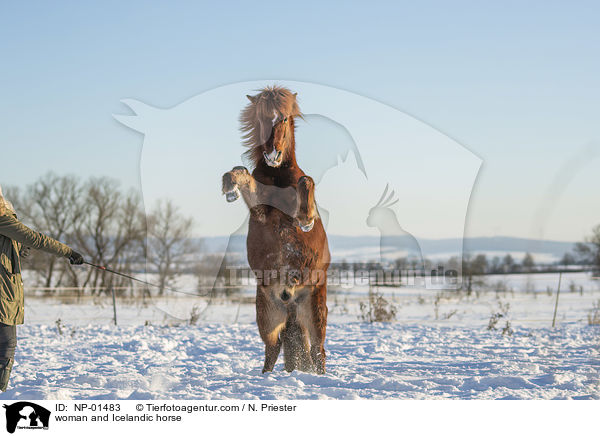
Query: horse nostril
285	295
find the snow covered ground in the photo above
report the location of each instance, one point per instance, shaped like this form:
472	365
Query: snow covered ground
372	361
439	347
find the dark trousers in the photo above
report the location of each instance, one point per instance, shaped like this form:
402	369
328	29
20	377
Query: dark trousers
8	341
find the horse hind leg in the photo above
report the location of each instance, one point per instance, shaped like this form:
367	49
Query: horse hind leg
290	349
271	354
305	363
270	323
318	328
296	353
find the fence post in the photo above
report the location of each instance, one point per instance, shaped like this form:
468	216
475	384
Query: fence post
557	294
112	289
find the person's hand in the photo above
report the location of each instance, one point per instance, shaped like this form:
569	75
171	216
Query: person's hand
24	252
75	258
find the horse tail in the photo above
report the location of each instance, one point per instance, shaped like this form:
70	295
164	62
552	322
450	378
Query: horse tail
295	344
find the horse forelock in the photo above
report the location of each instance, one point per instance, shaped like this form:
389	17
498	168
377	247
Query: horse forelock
257	117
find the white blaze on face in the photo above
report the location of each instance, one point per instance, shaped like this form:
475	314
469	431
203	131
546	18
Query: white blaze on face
275	116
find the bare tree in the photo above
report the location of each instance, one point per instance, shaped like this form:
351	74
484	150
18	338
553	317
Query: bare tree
472	270
169	242
110	232
50	205
496	265
567	259
108	226
528	262
508	264
589	251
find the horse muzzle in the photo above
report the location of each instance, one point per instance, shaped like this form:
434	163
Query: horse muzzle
274	158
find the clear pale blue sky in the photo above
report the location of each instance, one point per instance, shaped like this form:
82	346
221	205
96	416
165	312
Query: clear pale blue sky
518	83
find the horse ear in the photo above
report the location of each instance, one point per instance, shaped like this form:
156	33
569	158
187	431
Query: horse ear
295	94
252	99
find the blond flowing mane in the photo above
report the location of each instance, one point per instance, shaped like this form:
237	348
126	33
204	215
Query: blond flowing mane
257	118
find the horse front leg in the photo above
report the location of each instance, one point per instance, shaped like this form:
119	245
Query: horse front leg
307	207
239	182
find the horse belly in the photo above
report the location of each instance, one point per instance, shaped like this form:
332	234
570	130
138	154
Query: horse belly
275	244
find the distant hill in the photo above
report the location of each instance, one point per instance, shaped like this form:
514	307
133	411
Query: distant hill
364	248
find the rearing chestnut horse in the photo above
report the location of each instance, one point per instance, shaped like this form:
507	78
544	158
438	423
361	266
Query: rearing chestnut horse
286	244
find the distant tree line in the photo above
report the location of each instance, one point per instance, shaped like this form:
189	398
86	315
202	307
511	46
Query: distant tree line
584	257
109	226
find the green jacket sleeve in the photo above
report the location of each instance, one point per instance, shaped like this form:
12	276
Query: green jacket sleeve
13	229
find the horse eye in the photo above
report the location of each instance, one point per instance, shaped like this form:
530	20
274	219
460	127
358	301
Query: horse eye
285	120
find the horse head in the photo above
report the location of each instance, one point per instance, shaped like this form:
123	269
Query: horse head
268	126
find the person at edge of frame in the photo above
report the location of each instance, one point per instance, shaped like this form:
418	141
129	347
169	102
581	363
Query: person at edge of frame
15	241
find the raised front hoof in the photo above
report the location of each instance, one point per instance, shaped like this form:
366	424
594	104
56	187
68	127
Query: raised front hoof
229	181
308	226
232	195
231	190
